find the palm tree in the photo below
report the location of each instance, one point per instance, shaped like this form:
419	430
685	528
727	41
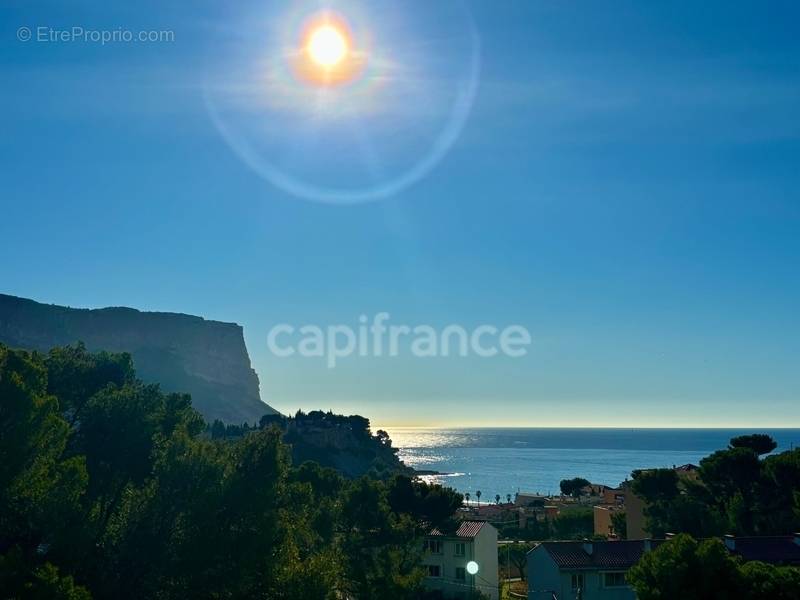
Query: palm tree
466	496
497	498
508	498
478	494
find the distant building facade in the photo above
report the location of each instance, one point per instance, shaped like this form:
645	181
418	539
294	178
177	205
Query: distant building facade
586	570
526	499
634	515
595	489
447	555
604	519
635	506
613	504
597	570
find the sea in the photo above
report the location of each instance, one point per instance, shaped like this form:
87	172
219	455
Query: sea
509	460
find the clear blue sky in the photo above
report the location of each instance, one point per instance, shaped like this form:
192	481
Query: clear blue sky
626	185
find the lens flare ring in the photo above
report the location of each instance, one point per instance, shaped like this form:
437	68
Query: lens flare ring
338	59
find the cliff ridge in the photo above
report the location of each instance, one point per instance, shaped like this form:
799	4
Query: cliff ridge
183	353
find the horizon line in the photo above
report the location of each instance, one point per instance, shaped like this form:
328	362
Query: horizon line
610	427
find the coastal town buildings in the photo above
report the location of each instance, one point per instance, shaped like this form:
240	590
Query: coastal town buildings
526	509
635	506
604	519
592	570
587	570
608	512
634	515
595	489
448	557
524	499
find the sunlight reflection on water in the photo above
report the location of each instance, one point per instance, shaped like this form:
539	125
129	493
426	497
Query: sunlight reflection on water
504	461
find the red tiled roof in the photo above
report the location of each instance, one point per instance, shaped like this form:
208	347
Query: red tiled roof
604	555
467	529
780	549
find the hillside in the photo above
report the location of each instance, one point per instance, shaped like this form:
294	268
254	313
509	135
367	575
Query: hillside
183	353
343	443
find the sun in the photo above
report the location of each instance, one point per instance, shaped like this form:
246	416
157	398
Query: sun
328	54
327	46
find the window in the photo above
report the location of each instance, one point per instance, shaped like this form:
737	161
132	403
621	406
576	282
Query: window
433	546
460	549
577	581
614	579
434	571
461	574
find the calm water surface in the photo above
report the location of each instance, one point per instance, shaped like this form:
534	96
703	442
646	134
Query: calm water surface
506	460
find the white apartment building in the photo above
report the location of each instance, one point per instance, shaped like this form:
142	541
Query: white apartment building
448	554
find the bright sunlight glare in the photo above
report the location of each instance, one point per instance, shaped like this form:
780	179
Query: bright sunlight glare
327	46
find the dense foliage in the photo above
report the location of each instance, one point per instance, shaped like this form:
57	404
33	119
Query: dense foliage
513	559
735	492
110	488
573	487
760	443
341	442
685	568
620	525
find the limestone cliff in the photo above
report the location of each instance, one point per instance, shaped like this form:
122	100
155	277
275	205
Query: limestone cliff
183	353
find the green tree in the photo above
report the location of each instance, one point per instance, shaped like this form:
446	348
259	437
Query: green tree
517	555
768	581
75	375
40	488
683	568
218	430
381	549
620	524
119	487
676	506
18	580
656	485
690	570
730	478
117	436
778	496
573	487
760	443
426	503
577	523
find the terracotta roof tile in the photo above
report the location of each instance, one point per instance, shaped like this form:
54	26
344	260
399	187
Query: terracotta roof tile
782	549
604	555
467	529
779	550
